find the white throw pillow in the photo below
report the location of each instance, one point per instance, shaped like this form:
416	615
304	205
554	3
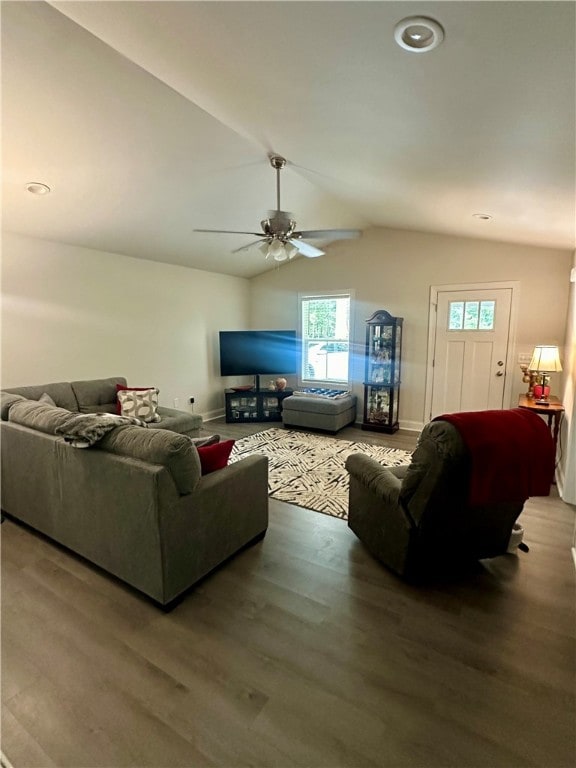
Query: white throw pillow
140	404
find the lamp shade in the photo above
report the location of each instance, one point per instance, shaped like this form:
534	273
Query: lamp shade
545	359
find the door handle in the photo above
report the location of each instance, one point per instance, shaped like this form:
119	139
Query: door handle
500	362
499	373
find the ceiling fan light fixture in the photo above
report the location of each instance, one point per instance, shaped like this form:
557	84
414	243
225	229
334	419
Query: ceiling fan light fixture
418	34
277	251
291	250
281	255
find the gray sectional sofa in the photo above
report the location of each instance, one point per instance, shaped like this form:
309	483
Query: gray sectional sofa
136	503
99	396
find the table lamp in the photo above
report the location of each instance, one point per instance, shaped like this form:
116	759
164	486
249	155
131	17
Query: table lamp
545	360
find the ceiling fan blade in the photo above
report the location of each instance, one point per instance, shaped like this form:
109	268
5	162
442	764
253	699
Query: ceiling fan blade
250	245
229	232
306	249
330	234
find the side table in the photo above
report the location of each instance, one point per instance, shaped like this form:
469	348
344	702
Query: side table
553	411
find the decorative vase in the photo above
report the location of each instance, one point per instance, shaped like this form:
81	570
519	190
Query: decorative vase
281	384
540	391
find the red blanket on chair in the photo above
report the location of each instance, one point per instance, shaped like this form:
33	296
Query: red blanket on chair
512	454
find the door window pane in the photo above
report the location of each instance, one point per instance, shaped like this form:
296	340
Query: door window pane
471	315
456	310
486	315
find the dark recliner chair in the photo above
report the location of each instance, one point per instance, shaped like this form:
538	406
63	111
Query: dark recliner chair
418	519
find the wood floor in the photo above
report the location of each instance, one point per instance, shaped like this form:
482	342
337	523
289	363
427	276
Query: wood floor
301	651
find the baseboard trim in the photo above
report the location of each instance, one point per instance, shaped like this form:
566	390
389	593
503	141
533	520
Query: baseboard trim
408	426
412	426
559	476
211	415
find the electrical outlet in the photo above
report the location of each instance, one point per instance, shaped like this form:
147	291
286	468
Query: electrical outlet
191	401
176	402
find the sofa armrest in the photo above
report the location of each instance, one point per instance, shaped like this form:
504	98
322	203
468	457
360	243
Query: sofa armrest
383	482
241	478
227	510
7	400
375	512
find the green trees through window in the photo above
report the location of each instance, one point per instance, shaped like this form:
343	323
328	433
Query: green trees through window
471	315
325	326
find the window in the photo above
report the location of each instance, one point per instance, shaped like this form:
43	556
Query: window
325	330
471	315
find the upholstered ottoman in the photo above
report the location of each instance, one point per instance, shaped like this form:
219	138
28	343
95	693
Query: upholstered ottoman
318	412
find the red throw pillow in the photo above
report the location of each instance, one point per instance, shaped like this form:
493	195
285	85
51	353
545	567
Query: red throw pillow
213	457
120	387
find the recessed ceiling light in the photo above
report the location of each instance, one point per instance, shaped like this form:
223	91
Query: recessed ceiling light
418	34
37	188
483	216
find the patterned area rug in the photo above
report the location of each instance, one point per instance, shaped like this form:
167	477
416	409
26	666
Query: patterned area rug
308	469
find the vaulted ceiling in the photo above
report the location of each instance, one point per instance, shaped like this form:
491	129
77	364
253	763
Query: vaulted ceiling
149	120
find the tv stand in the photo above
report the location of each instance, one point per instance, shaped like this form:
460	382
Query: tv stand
254	405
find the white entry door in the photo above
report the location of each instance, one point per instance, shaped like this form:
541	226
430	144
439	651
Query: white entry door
470	350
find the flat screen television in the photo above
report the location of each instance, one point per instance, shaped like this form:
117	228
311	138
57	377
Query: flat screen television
250	353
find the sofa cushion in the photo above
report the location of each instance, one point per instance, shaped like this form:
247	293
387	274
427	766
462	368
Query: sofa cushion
179	421
96	395
45	398
176	452
6	402
157	446
35	415
213	457
61	392
104	408
140	404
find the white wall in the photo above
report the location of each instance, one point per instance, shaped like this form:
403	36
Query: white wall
394	269
74	313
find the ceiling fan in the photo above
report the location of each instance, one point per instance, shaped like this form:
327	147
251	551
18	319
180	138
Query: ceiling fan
279	238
